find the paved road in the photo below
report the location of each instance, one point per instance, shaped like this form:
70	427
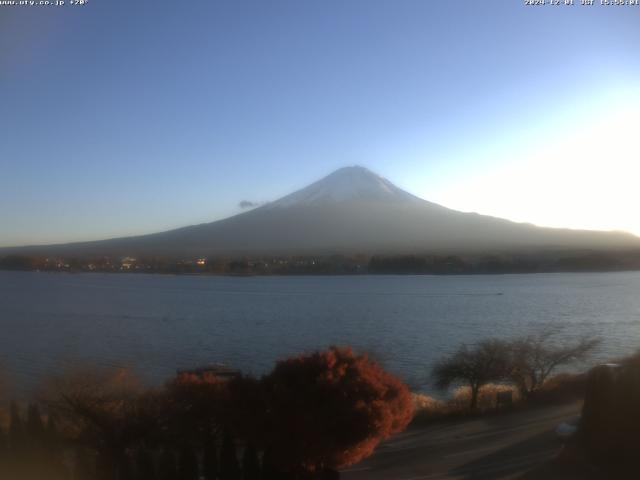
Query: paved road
493	447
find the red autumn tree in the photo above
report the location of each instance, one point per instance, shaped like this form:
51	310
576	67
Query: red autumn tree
193	405
331	409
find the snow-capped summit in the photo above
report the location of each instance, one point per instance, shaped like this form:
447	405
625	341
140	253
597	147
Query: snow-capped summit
346	184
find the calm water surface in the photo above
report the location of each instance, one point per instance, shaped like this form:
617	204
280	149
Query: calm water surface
158	323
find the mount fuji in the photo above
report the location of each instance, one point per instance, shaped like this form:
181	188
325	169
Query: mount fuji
352	210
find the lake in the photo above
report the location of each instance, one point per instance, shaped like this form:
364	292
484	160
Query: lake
159	323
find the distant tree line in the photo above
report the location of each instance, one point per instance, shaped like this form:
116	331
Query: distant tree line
309	417
505	263
338	264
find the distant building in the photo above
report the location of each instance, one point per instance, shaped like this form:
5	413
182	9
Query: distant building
127	262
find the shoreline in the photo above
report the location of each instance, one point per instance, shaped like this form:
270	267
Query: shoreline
331	274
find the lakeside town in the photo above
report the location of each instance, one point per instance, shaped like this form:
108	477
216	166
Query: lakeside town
554	261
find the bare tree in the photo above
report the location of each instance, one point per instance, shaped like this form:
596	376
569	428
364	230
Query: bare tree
106	410
473	367
533	358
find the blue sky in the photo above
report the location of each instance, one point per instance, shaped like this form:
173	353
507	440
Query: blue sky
125	117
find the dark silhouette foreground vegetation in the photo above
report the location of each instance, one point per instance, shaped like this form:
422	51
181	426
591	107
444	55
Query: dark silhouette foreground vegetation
309	417
605	445
610	424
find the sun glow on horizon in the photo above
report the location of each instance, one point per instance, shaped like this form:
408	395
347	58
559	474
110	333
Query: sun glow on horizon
586	177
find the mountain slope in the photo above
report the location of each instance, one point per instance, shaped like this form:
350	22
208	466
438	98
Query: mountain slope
352	210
